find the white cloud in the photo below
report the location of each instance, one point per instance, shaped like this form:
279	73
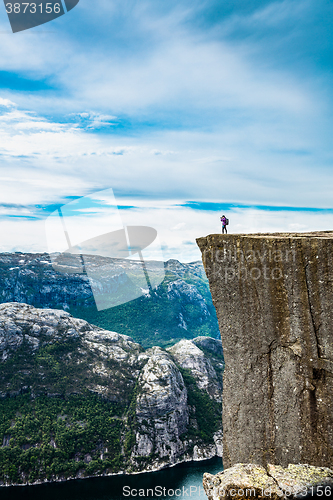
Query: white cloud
13	121
164	64
27	235
6	103
208	119
178	226
45	160
97	120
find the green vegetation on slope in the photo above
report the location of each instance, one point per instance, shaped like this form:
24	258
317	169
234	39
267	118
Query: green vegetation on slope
52	437
72	432
206	414
47	438
58	366
158	319
155	320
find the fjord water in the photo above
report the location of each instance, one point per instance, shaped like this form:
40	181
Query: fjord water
185	478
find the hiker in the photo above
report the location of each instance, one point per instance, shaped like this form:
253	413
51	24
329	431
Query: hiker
224	221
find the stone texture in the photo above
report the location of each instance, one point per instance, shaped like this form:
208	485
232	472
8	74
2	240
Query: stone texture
295	478
119	369
244	481
240	481
207	371
161	391
273	295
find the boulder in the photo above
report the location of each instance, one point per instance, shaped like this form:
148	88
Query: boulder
243	481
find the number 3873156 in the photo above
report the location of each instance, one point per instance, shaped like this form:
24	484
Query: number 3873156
32	8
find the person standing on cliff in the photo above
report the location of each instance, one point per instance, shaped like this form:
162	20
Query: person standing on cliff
224	224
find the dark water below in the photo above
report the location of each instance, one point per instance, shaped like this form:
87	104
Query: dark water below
182	481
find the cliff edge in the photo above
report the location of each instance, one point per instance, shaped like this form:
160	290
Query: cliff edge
273	295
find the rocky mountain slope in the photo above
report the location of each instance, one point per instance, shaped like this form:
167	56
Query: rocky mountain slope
180	307
77	400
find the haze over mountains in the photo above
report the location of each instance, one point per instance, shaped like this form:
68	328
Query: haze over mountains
180	307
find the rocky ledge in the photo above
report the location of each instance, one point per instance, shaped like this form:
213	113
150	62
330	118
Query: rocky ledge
273	296
79	401
243	481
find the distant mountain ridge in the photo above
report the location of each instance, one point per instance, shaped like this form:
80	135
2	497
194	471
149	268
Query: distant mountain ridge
180	307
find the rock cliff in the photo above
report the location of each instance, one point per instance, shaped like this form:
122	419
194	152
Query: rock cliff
274	300
246	481
77	400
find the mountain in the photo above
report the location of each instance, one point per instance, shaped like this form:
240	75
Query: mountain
77	400
180	307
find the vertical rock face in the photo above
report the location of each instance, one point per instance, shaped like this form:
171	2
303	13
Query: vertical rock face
163	395
188	355
273	294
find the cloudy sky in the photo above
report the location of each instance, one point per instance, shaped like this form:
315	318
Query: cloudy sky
186	109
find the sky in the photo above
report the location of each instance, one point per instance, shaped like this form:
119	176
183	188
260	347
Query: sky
187	110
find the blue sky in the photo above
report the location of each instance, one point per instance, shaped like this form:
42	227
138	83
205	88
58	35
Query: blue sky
184	108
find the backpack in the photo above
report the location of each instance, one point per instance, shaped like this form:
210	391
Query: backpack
227	222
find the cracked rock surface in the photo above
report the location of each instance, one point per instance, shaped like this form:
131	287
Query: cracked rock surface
254	481
273	295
